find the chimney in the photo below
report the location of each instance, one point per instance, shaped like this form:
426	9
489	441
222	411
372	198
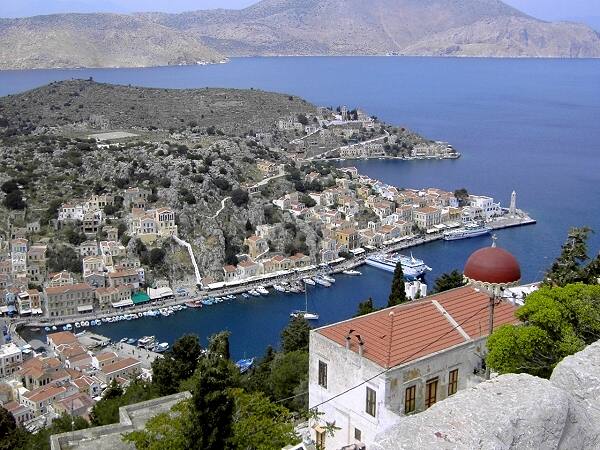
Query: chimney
361	345
348	338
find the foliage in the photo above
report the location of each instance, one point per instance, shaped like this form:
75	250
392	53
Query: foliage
177	365
11	436
365	307
212	405
289	378
14	200
218	344
295	335
557	322
462	195
448	281
259	424
106	411
569	266
156	257
239	197
63	257
397	294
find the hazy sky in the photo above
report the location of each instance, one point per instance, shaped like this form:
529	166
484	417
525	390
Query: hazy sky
544	9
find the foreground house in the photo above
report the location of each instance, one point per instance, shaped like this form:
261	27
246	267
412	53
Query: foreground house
397	361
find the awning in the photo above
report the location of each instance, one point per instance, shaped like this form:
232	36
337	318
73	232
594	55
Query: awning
85	308
122	303
137	298
357	251
37	311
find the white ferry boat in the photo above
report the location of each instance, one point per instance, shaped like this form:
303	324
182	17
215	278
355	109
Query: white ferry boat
412	267
468	231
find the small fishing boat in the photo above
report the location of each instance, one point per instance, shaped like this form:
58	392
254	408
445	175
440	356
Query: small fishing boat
262	290
46	329
77	324
352	272
131	341
309	281
162	347
244	295
254	293
244	364
194	304
124	340
231	297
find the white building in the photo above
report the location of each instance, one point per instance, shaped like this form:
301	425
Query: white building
11	358
365	373
487	206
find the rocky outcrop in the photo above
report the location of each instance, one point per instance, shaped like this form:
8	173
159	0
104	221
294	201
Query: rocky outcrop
512	412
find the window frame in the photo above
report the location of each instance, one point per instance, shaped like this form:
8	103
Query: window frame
357	434
428	392
371	402
410	403
322	374
453	382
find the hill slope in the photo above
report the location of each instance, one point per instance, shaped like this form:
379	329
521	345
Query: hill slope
335	27
95	40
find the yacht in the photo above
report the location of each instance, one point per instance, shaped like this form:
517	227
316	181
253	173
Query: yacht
322	282
412	267
468	231
305	313
278	288
309	281
328	278
146	341
262	290
351	272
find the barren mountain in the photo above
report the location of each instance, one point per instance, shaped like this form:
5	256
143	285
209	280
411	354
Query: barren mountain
95	40
337	27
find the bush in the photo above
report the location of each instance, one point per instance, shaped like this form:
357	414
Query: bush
239	197
15	201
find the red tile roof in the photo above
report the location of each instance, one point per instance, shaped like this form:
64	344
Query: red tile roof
62	337
419	328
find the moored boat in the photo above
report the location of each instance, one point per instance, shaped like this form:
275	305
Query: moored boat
352	272
309	281
146	341
278	288
322	282
262	290
244	364
412	267
468	231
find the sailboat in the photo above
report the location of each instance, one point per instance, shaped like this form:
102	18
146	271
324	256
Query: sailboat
307	315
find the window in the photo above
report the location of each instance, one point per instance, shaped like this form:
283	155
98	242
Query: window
357	435
410	399
452	382
322	374
320	440
431	392
371	401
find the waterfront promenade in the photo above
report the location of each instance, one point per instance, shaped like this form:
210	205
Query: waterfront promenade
503	222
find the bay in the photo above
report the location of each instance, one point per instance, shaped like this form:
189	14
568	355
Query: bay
532	125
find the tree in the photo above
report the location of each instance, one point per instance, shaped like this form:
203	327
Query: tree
397	294
63	257
365	307
212	404
289	377
14	200
11	436
302	119
462	195
157	257
239	197
218	344
568	267
259	424
558	322
448	281
9	186
177	365
295	335
106	411
257	378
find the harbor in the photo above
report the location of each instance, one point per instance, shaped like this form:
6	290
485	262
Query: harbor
239	296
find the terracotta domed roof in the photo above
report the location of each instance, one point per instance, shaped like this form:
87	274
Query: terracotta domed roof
492	265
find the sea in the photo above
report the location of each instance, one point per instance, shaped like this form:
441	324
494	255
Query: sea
528	125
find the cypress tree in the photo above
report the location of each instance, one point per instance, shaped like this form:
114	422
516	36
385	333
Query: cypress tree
398	294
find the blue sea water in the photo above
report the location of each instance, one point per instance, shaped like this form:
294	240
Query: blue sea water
530	125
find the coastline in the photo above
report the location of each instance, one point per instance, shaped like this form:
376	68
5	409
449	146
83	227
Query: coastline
502	223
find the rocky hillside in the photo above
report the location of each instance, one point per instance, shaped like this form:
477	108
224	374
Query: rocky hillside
415	27
87	104
95	40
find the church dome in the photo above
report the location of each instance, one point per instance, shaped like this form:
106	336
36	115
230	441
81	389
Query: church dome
492	265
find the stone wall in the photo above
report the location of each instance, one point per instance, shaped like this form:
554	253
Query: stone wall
515	411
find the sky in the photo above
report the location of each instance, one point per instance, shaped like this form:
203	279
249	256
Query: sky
583	10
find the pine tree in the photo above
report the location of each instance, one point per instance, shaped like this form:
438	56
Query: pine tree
365	307
398	294
448	281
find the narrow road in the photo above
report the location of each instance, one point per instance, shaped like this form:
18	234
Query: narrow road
221	209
